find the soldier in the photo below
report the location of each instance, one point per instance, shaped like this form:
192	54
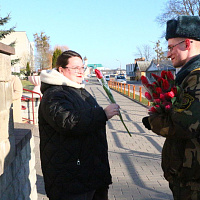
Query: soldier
181	150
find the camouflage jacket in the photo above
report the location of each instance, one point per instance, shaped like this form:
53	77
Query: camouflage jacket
181	150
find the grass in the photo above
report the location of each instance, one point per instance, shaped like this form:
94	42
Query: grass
27	84
137	97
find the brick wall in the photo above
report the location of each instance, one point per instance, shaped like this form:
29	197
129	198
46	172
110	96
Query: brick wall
17	160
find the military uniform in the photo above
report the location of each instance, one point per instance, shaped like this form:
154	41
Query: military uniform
181	150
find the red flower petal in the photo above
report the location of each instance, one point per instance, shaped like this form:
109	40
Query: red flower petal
156	77
164	74
148	96
152	109
174	90
165	84
158	90
170	76
144	80
98	74
169	95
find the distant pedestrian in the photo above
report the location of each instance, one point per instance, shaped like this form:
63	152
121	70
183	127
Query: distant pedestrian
181	150
73	144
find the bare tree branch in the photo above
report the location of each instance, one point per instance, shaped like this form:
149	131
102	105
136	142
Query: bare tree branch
145	51
174	8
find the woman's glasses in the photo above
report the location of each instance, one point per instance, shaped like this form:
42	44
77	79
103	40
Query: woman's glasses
77	69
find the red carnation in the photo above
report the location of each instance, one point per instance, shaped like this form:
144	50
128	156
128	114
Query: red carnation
98	74
157	101
168	107
162	97
165	84
144	80
150	86
158	90
162	92
169	95
170	76
155	76
155	96
159	81
166	103
155	83
148	96
174	90
164	74
153	110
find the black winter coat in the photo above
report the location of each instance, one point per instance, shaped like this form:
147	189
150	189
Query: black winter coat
73	144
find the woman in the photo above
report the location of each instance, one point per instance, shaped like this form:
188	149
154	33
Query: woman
73	144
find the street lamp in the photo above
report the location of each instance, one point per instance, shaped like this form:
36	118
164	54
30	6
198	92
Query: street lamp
120	65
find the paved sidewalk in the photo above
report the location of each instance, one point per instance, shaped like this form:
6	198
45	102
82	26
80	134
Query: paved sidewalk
134	161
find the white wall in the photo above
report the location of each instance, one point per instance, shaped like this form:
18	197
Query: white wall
24	49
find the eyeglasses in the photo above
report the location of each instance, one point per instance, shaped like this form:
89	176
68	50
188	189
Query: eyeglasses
77	69
170	49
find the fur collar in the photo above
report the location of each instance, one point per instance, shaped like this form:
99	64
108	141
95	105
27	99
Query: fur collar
53	77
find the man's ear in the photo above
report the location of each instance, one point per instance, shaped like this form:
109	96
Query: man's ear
60	69
187	44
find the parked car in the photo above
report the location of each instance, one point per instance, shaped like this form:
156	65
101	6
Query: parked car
107	77
112	77
120	79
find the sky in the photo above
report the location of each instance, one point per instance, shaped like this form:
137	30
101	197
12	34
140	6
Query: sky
107	32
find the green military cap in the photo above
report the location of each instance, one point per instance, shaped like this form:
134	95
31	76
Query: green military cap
184	27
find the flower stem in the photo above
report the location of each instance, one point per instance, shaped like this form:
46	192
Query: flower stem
120	116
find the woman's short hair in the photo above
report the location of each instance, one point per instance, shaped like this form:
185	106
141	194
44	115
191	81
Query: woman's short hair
63	59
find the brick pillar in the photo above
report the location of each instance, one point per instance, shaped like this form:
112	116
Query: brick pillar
7	140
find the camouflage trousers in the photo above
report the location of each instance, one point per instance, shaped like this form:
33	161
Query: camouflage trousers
184	192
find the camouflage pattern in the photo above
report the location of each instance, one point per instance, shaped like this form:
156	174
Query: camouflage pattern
181	150
184	192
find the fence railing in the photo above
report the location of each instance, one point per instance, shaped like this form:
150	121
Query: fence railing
127	89
30	97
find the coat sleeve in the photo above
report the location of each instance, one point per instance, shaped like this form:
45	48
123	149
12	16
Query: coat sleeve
60	112
183	123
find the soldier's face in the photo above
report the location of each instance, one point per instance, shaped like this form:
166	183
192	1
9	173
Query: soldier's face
177	51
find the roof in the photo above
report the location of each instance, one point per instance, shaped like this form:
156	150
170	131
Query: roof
163	65
142	65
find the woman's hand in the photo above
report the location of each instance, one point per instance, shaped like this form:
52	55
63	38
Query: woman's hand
112	110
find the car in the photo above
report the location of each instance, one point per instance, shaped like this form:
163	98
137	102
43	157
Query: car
107	77
120	79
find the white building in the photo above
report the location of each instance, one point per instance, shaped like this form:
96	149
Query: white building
130	69
24	50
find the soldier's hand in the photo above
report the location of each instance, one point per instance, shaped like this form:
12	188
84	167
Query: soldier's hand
145	121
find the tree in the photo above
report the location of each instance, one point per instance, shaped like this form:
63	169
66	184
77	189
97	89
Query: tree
174	8
43	57
56	53
28	69
4	33
159	52
144	52
62	48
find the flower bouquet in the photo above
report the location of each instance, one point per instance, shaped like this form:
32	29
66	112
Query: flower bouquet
108	92
163	94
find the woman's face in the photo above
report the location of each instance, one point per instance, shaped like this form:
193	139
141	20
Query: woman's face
74	70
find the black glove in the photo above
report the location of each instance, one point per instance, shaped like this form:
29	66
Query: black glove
145	121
